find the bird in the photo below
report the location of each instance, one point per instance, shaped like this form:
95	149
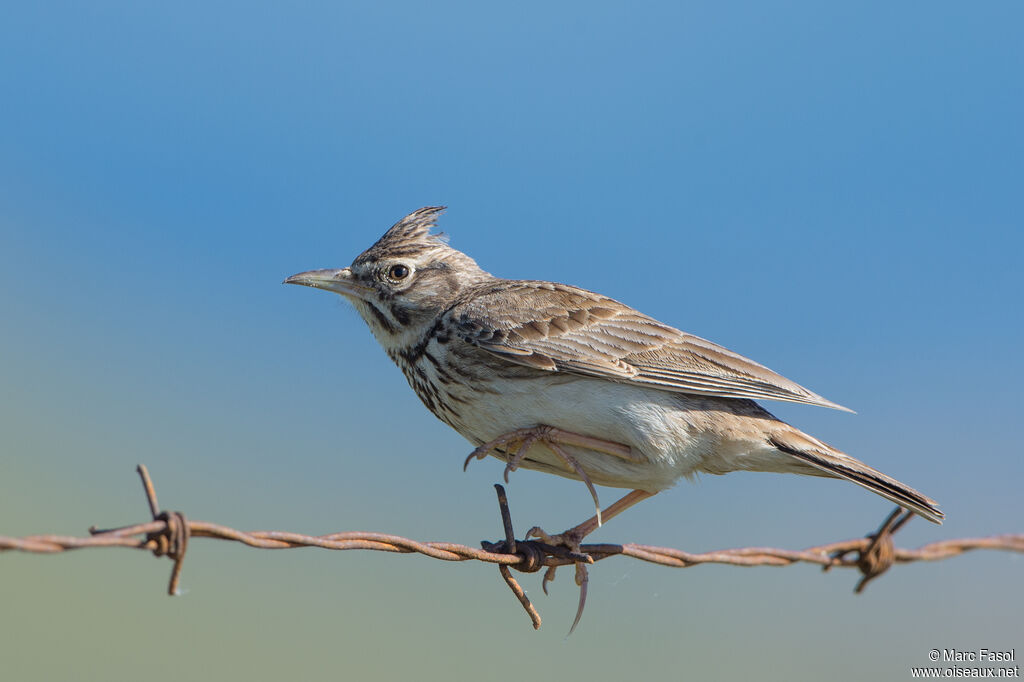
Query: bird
558	379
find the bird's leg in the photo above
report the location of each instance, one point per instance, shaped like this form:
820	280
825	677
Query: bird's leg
521	440
517	444
589	442
572	538
551	434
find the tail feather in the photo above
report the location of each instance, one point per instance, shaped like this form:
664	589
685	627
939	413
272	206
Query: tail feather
841	465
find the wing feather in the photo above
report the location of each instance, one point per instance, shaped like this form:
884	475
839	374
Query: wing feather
559	328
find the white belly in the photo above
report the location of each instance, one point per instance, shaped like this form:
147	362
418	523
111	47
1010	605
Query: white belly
665	444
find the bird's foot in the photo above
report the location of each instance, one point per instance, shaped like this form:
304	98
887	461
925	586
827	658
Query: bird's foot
515	445
560	550
570	540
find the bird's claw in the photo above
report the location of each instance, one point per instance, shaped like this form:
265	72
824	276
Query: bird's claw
570	540
518	443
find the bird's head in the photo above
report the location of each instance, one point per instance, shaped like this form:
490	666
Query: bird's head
404	281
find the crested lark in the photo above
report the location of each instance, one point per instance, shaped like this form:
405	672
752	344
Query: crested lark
555	378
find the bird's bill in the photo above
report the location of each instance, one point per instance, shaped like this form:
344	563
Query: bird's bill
338	281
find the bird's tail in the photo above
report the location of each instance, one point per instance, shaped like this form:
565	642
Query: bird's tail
832	462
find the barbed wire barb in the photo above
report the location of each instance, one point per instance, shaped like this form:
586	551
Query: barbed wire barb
168	534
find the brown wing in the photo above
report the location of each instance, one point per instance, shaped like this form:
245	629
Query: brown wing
560	328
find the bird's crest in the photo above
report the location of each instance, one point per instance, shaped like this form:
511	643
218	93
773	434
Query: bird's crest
410	237
411	234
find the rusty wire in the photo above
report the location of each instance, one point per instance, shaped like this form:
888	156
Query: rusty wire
169	532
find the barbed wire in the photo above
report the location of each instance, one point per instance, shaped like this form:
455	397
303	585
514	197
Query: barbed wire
168	535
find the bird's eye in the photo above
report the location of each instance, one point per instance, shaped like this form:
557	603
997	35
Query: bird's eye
398	272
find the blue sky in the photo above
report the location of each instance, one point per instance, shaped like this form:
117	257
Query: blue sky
832	191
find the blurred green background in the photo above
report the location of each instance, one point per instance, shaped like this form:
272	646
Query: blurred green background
833	191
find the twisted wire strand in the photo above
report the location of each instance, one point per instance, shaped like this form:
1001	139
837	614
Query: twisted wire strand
168	534
450	551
